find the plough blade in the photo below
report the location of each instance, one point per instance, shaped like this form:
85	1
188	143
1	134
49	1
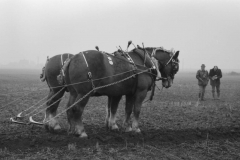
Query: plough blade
35	122
19	115
18	122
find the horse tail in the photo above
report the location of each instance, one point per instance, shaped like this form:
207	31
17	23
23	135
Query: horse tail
43	75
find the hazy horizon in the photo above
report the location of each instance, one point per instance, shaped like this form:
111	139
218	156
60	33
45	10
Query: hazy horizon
38	67
203	31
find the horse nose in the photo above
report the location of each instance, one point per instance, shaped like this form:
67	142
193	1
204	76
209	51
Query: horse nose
169	82
165	84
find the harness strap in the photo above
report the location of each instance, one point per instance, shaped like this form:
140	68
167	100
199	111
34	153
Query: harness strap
169	60
155	61
62	59
89	73
129	58
63	63
84	58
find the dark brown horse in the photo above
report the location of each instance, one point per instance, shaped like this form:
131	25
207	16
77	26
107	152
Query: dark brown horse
56	91
115	76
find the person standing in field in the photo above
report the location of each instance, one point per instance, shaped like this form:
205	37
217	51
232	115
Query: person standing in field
202	76
215	74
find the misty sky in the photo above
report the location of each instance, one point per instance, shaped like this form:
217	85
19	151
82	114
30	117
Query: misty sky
203	31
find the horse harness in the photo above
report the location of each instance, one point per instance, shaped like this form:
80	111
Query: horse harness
152	69
89	72
174	63
126	55
64	64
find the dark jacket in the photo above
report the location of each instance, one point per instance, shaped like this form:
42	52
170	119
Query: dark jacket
213	73
202	77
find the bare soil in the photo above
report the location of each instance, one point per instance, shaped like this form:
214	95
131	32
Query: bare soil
174	125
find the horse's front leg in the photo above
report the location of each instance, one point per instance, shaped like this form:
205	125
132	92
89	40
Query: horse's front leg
140	96
130	99
74	115
113	102
53	101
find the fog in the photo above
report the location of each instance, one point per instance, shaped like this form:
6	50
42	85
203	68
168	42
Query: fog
203	31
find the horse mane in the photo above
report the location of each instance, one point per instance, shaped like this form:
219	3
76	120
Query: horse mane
141	54
170	52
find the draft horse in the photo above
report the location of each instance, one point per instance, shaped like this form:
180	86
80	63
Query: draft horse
132	76
56	91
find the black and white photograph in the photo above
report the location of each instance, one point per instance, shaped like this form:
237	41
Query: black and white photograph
119	79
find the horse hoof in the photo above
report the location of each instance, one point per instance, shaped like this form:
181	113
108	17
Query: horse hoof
57	127
49	128
83	135
137	130
114	127
128	129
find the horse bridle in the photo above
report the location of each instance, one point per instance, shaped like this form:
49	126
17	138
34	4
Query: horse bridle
171	60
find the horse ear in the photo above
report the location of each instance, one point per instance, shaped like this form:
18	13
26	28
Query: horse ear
176	55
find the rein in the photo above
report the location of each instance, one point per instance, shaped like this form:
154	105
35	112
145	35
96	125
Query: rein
89	72
133	63
99	87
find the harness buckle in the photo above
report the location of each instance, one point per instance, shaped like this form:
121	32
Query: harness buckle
90	79
89	75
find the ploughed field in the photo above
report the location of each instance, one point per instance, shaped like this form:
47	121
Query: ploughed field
174	125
